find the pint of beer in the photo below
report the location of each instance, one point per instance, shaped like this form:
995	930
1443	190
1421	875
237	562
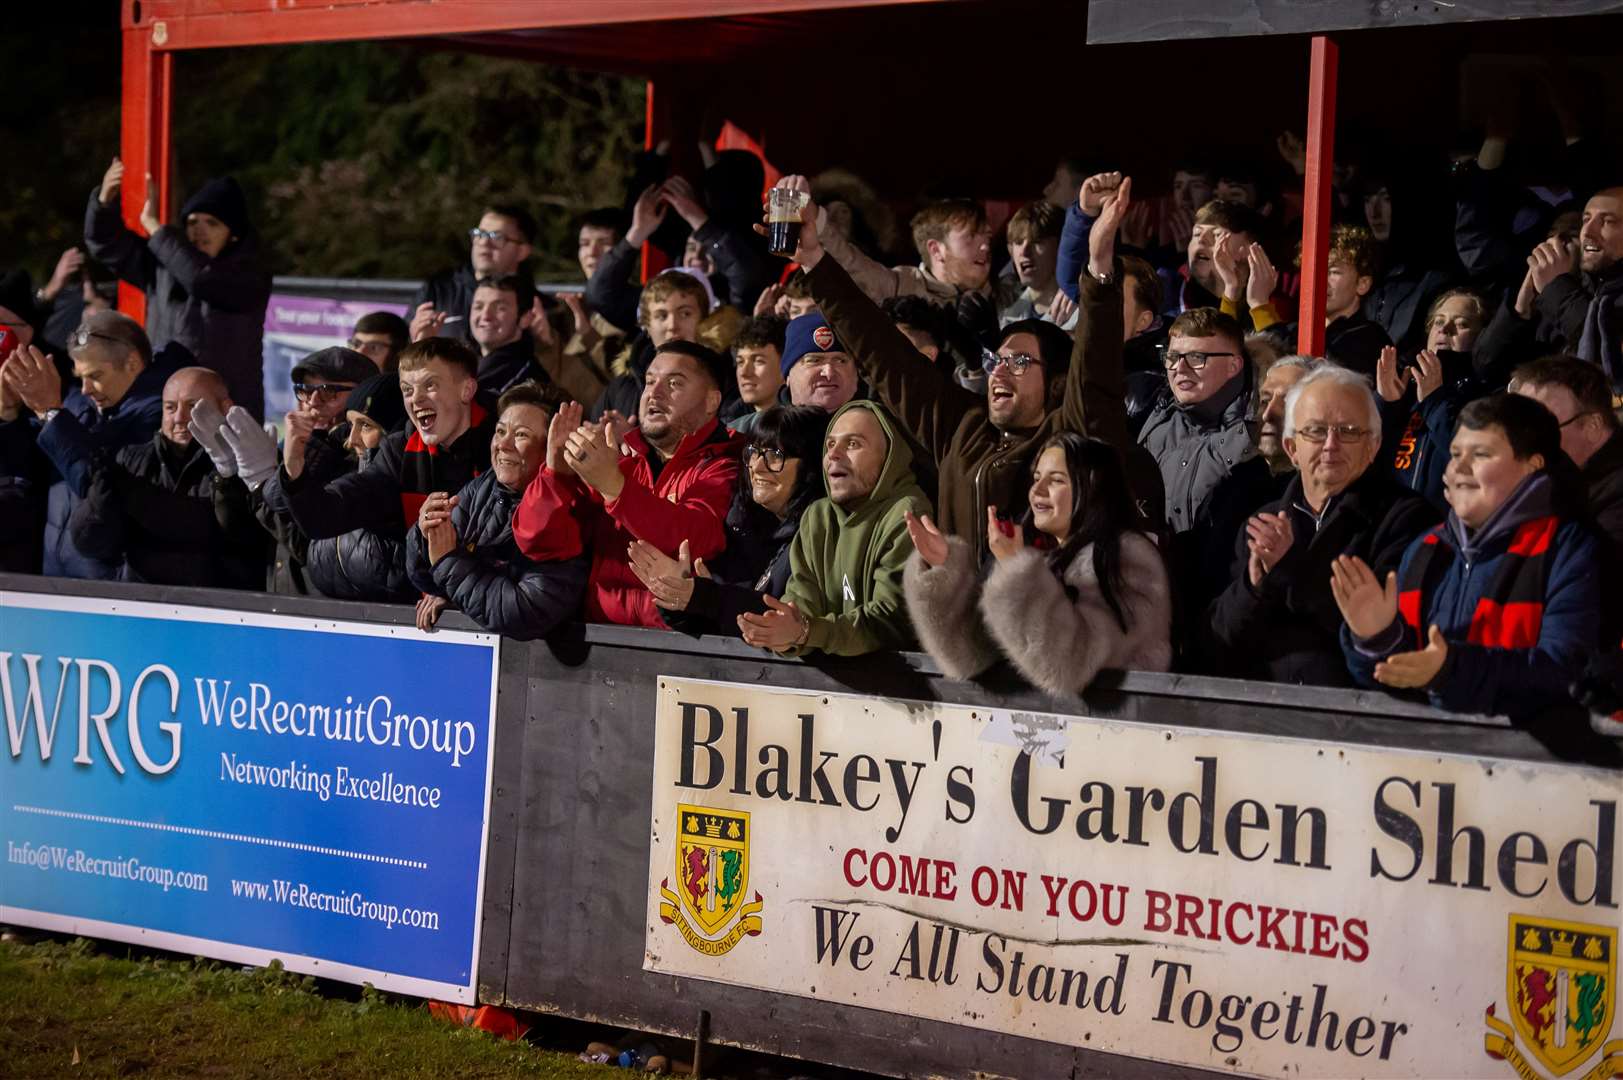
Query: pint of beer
783	206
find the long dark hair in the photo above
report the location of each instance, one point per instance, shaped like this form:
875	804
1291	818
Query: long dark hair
1102	509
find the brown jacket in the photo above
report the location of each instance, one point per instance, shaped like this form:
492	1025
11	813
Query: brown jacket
981	466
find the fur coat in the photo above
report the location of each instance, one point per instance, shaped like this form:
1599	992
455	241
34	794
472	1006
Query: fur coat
1059	636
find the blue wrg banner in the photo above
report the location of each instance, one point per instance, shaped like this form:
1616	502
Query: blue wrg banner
248	787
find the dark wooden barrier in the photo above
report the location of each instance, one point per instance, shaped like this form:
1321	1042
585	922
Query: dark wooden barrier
567	880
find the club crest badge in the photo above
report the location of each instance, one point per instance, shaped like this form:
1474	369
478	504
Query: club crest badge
823	338
1561	978
712	871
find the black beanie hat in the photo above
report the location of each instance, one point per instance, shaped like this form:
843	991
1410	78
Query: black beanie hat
379	400
222	198
17	296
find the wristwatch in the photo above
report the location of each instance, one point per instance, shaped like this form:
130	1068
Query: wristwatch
50	414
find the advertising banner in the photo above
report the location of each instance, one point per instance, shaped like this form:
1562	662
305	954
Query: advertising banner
295	327
1254	905
248	787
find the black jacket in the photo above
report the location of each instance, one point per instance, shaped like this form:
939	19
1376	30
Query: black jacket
325	460
488	578
1351	341
215	307
386	495
756	561
509	365
451	293
1603	482
1288	628
162	514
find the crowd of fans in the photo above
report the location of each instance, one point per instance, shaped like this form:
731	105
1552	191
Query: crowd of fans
1081	443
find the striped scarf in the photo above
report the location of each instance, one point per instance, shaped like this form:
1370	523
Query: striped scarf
1510	611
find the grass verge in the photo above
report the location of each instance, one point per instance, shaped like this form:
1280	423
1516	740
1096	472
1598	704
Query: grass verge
72	1011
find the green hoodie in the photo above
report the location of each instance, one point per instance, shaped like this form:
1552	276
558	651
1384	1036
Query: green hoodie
846	563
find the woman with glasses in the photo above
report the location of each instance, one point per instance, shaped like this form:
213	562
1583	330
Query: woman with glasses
205	284
1075	587
782	475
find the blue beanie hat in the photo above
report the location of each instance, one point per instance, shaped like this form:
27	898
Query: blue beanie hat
808	334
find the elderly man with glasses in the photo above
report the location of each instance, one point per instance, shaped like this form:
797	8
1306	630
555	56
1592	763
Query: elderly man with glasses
1278	619
117	403
499	244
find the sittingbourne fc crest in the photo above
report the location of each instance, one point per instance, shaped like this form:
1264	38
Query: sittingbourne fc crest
712	875
1561	978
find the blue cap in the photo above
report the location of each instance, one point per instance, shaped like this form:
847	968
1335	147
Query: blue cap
808	334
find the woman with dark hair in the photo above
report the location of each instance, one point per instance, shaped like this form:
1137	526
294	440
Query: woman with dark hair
1076	587
782	475
1496	609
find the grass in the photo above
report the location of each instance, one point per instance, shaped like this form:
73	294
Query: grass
70	1010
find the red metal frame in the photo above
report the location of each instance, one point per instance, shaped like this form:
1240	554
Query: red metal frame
1321	144
144	142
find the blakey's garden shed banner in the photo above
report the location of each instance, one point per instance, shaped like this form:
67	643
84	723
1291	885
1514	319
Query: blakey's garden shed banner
248	787
1245	904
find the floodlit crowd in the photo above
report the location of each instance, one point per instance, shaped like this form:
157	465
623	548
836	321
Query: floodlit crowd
1078	442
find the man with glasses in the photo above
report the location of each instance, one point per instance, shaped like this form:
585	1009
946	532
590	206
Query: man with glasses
983	443
118	402
1201	442
379	336
322	382
1278	619
499	244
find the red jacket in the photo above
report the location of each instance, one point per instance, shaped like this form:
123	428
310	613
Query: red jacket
559	517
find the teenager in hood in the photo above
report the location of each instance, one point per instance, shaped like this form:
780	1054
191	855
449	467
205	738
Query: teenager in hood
205	284
845	582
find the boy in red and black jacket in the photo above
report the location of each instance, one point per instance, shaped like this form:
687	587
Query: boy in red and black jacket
446	445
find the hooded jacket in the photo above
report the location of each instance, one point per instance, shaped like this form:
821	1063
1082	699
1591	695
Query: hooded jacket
1058	633
161	513
845	566
487	577
215	307
1287	628
979	464
513	363
1464	568
685	498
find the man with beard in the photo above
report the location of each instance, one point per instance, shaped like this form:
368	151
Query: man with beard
461	549
983	444
1580	288
672	480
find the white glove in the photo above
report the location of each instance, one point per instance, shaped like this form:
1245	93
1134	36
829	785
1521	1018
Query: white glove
253	449
205	426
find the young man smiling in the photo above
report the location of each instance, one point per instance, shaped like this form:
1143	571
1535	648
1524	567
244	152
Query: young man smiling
448	445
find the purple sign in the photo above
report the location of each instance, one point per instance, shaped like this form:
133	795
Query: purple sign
295	327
